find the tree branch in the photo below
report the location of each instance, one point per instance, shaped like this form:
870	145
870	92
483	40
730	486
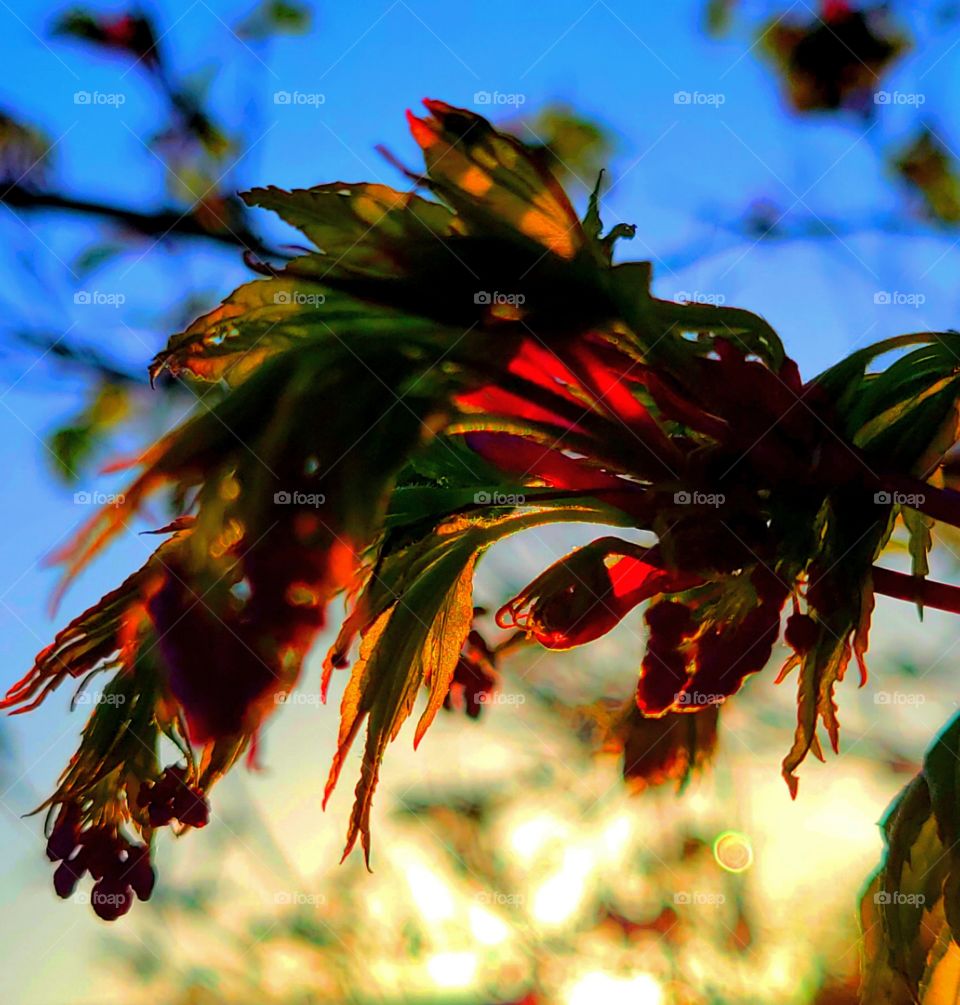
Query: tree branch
160	224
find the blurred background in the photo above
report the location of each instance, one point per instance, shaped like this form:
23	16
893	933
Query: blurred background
798	160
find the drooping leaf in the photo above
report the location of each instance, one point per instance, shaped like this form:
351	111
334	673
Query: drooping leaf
415	641
413	619
920	531
915	897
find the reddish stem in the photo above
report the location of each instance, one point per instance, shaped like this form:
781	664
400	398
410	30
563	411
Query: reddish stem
941	504
942	596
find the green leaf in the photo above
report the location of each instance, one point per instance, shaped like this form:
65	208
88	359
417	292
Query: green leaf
275	17
920	531
119	739
917	889
416	640
92	642
76	443
268	316
447	462
847	382
743	328
359	229
413	618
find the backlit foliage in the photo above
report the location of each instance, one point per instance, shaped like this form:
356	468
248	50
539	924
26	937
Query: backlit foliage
441	373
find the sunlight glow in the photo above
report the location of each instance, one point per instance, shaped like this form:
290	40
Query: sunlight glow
529	837
432	895
615	837
559	897
487	928
596	987
452	970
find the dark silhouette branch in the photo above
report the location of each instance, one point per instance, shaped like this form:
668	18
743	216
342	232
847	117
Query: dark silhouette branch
160	224
84	358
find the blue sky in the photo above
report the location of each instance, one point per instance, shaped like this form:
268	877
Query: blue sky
683	173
